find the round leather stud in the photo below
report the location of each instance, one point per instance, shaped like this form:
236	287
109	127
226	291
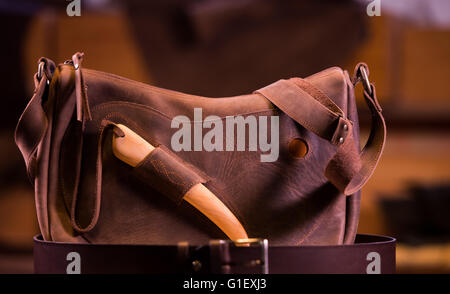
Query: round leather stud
298	148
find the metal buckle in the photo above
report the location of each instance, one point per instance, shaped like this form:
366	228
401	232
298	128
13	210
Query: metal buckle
262	261
40	70
365	80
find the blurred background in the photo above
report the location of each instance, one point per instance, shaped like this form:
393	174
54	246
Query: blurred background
231	47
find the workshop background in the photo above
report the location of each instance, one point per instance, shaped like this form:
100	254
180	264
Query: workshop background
231	47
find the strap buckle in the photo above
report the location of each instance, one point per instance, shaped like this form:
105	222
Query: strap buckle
365	79
40	70
222	260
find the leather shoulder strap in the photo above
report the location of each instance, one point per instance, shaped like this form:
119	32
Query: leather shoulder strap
349	169
32	124
308	106
370	154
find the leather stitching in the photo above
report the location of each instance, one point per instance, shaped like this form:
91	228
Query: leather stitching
148	108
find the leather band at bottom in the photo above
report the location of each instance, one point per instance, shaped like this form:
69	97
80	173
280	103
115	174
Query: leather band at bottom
369	254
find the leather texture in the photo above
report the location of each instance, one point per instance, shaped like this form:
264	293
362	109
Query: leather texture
369	254
84	194
170	176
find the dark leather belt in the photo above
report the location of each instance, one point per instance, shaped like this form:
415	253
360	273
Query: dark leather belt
369	254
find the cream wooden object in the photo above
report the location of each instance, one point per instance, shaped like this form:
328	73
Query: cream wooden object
132	149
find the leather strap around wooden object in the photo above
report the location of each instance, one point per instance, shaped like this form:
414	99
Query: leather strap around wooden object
167	173
369	254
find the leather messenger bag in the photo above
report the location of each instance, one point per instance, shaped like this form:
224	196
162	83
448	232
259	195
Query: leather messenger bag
171	182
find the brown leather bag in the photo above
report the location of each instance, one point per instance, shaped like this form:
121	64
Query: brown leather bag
86	194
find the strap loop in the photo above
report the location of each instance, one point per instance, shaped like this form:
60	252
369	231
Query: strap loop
82	103
45	67
106	126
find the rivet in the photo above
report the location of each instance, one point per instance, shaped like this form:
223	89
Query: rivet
76	66
196	265
341	140
345	127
